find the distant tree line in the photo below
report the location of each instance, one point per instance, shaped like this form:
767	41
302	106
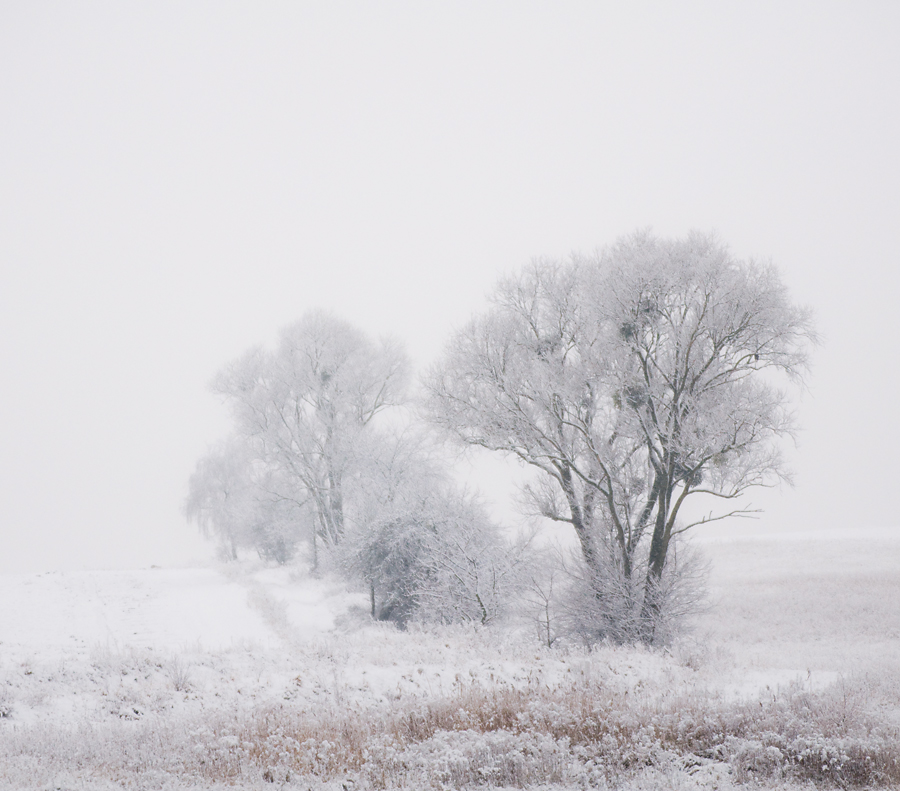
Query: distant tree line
632	381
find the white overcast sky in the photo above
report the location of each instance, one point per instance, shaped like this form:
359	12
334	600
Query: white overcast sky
178	180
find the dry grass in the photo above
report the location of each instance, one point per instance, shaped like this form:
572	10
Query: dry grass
496	734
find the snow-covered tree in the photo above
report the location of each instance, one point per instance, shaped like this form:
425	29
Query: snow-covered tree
633	380
305	425
436	557
247	505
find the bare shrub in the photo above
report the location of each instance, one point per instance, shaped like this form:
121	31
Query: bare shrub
179	673
605	604
6	703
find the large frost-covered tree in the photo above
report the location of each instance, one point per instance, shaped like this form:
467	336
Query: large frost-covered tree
634	380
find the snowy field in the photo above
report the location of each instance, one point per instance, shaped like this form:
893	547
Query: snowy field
257	677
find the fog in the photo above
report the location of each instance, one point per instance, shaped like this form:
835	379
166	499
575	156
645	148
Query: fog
179	181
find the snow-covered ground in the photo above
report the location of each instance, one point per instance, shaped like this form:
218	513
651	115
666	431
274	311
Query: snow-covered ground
95	666
819	602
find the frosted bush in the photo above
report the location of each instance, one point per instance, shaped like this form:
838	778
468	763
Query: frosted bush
179	673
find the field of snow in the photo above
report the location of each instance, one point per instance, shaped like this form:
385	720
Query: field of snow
253	676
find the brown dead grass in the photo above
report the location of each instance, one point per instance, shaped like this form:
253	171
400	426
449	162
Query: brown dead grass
825	737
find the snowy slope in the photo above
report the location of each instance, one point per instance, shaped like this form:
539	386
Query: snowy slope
164	609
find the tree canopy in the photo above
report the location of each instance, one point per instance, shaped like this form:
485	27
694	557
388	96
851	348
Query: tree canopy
307	411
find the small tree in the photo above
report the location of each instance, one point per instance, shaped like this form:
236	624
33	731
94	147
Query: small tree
247	505
632	380
221	498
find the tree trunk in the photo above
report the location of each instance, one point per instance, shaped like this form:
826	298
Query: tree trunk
335	505
656	563
315	548
582	530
